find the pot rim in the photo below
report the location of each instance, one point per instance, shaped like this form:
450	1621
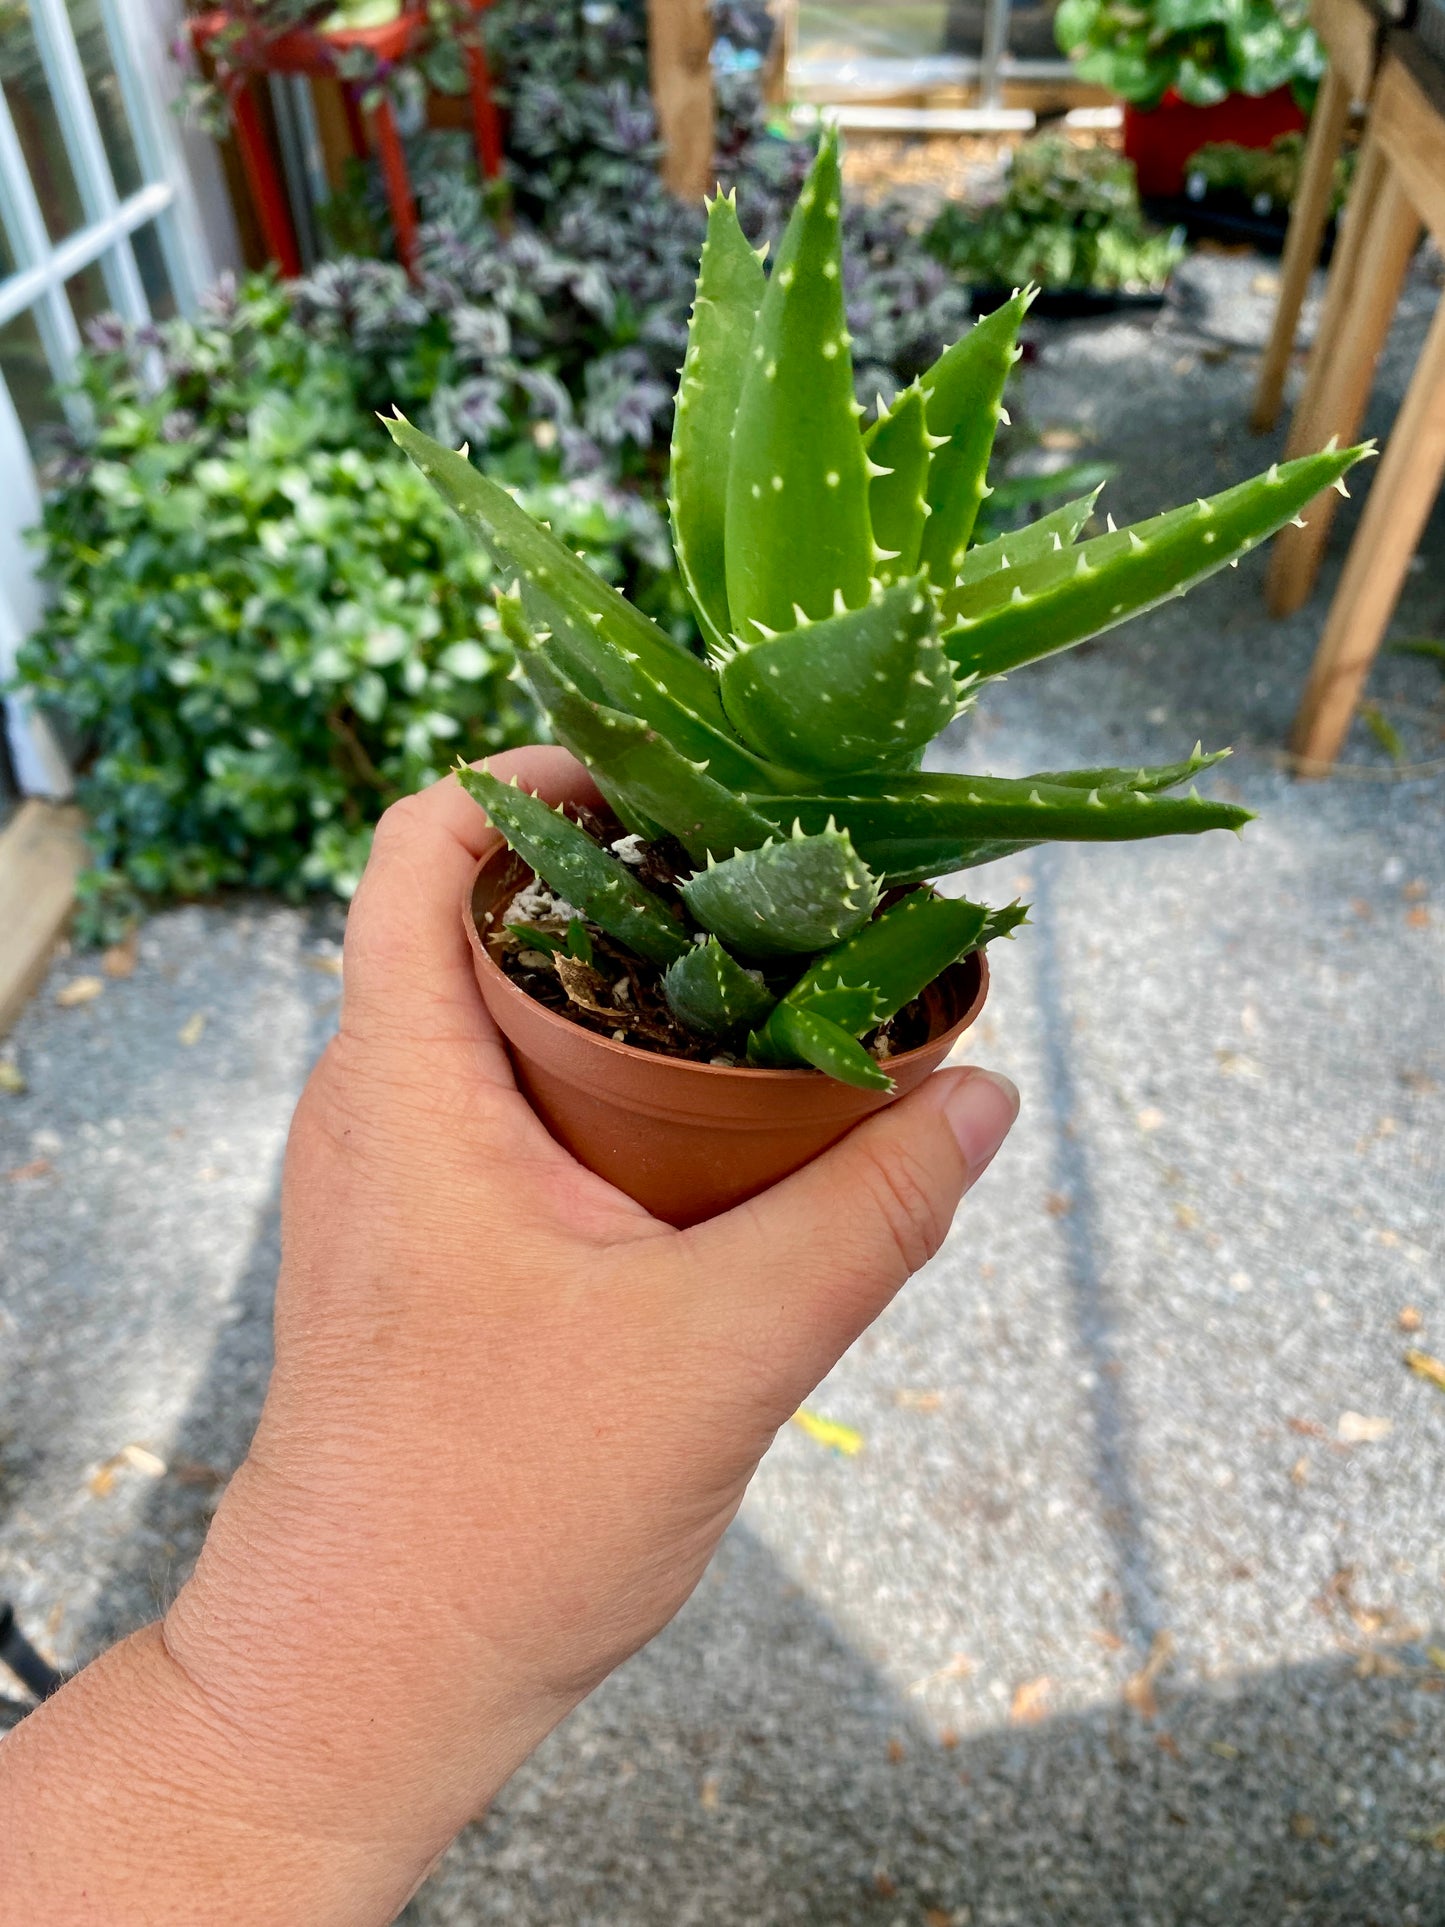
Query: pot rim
755	1074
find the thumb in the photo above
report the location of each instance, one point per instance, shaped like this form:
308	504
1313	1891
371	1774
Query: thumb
811	1262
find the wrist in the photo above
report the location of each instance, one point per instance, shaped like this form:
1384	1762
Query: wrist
371	1700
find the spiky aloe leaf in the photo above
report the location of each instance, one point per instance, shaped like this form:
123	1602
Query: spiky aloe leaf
910	827
963	394
1163	776
730	287
651	778
897	443
1060	529
803	893
569	862
889	961
793	1036
797	504
1018	616
711	993
850	692
610	649
1002	923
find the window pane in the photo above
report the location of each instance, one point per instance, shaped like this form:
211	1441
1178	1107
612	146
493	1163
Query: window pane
99	65
154	274
89	296
36	123
27	375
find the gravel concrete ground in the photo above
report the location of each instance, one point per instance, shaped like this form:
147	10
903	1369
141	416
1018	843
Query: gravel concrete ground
1124	1612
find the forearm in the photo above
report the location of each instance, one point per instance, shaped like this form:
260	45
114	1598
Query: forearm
251	1761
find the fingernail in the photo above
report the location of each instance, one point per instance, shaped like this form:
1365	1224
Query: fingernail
980	1111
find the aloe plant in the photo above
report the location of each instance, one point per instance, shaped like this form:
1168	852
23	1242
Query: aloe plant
848	618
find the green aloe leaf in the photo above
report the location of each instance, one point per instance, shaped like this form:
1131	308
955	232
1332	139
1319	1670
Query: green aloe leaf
910	827
711	993
1163	776
794	1036
963	392
797	505
889	961
800	894
854	691
897	443
730	288
1017	616
646	774
579	870
610	649
1060	529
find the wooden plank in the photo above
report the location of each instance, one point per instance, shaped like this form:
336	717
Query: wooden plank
1302	244
1366	276
1351	33
1401	497
679	43
1411	122
41	854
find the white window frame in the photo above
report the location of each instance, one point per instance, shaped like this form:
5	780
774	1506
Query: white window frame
180	178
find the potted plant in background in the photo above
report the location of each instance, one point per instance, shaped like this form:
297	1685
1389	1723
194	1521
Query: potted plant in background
758	908
1069	219
1192	72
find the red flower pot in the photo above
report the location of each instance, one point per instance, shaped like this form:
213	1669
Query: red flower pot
1160	140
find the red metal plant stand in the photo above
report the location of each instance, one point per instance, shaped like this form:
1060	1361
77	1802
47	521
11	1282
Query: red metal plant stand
242	57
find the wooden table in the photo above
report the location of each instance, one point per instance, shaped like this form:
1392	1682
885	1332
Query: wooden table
1399	192
1352	33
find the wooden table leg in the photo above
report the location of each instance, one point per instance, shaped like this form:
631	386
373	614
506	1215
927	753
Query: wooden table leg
1401	497
1302	244
1365	281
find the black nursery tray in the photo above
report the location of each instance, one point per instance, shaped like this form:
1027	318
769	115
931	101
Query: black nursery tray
1071	304
1230	219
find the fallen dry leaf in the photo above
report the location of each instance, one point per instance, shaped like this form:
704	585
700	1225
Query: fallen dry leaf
1234	1063
1264	284
708	1793
1355	1428
897	1752
1058	1204
1300	1471
948	1739
1061	438
36	1168
1307	1428
936	1917
328	966
959	1667
102	1479
1418	918
1149	1119
192	1030
1224	1749
884	1885
1426	1366
1030	1701
1186	1217
1139	1688
1436	1657
120	959
910	1401
1416	890
1409	1319
140	1458
12	1079
1361	908
80	990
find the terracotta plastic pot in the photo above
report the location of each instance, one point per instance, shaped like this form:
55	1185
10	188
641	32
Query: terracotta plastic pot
1161	140
686	1140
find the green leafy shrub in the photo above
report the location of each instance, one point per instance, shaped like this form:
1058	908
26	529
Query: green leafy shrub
1204	49
1068	218
1267	178
263	633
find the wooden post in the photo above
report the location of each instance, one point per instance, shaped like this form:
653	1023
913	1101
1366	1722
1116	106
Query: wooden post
679	38
1401	496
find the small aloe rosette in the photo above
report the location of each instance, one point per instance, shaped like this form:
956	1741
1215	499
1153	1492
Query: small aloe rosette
848	617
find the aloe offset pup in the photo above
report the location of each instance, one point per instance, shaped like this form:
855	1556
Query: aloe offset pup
848	618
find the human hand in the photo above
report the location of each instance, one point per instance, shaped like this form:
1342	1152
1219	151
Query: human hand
511	1413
